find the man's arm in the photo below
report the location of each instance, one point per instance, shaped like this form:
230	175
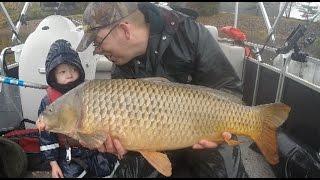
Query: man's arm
213	69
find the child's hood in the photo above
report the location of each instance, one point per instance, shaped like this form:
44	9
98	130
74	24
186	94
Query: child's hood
61	52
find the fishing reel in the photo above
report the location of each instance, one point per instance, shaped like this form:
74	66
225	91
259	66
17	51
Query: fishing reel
309	40
292	43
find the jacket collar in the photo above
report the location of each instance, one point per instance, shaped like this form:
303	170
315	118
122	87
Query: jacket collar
53	94
163	25
152	16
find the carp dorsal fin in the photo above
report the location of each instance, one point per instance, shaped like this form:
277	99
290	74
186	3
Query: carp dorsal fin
229	95
156	79
159	161
223	93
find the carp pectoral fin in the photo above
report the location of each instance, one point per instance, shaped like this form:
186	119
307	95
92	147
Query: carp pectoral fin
92	140
219	139
231	142
159	161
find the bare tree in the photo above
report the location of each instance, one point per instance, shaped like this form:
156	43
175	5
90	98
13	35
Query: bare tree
289	8
307	10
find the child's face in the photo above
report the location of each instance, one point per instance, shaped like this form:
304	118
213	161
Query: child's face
66	73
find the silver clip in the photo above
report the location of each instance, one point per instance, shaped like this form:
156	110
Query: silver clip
68	154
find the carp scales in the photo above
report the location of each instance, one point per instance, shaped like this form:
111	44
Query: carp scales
151	115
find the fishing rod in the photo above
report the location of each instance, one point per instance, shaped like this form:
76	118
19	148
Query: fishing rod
292	42
22	83
271	33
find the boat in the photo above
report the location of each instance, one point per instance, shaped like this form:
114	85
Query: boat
292	78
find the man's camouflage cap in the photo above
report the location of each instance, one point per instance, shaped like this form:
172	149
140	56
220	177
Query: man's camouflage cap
102	14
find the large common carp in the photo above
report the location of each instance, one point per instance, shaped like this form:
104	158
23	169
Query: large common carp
151	115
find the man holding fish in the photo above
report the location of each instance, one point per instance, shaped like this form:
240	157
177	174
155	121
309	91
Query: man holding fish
144	40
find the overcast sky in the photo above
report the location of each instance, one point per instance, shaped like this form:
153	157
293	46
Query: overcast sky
296	14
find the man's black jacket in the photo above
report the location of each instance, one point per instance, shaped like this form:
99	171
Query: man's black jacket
181	50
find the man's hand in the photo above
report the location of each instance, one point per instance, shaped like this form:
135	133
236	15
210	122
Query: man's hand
40	124
55	170
111	146
209	144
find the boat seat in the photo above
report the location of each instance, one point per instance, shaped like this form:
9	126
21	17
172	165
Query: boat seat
103	68
235	54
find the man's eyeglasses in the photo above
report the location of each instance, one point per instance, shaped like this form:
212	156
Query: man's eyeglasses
97	45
